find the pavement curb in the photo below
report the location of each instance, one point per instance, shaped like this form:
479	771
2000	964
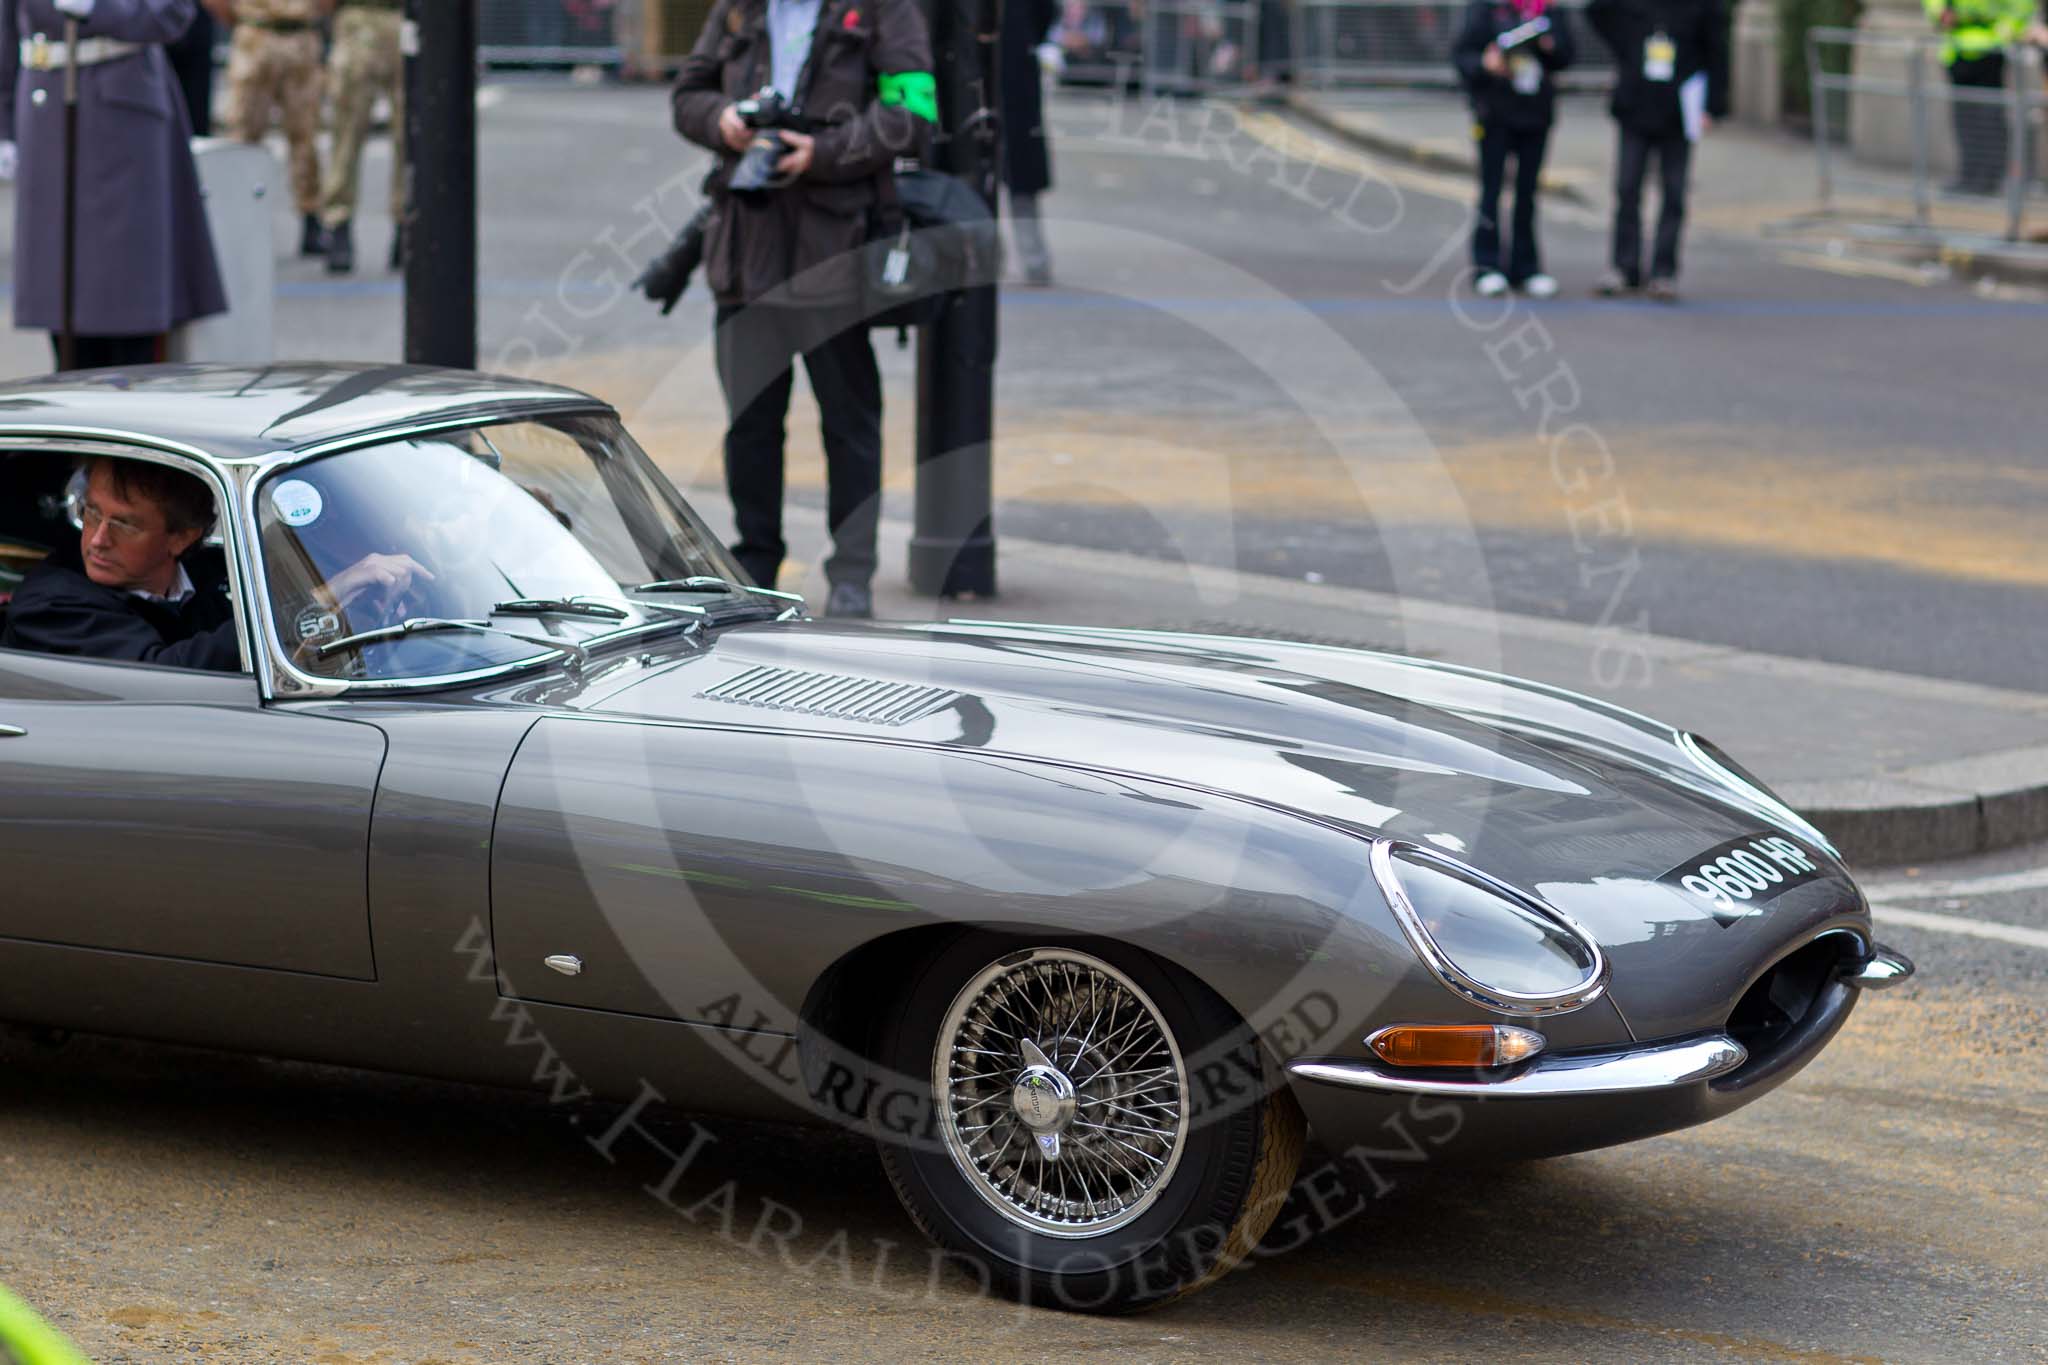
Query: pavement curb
1417	153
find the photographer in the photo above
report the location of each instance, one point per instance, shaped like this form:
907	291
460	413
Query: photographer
836	91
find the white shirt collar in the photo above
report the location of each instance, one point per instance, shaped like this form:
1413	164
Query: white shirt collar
181	588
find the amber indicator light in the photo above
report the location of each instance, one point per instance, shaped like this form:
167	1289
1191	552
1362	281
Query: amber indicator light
1455	1045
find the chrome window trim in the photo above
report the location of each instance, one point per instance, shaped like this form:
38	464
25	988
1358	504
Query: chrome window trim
1558	1075
1447	971
220	475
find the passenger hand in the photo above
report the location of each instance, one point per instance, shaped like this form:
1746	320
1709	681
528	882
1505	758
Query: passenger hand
387	576
797	159
733	129
1493	60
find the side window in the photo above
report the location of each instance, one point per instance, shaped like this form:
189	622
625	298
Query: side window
158	540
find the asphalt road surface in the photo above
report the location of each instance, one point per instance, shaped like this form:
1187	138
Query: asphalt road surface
164	1204
1262	352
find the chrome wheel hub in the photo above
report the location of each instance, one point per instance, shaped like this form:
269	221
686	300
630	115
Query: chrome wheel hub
1063	1093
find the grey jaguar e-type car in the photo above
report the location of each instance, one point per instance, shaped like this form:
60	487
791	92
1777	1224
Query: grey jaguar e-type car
1089	927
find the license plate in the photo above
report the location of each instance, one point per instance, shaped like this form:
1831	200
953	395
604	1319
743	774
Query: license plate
1734	879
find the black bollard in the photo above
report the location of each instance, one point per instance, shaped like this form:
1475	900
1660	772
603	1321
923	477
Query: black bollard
953	543
440	215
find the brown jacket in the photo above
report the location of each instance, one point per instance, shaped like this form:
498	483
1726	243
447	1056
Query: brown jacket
799	246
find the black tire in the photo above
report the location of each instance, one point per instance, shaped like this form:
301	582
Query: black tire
1225	1175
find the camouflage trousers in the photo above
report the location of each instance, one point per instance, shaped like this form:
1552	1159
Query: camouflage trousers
365	62
279	72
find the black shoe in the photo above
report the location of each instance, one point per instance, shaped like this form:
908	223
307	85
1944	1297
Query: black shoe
853	600
341	250
312	236
398	248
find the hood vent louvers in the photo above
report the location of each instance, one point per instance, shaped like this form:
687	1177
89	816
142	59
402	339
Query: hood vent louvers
834	696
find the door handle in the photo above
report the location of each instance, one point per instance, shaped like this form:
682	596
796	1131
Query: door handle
11	732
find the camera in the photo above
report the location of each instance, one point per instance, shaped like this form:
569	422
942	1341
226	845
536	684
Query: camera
768	114
668	275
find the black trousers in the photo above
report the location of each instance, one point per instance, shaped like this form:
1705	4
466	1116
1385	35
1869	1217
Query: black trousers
98	353
1496	145
1631	165
192	63
1982	137
757	349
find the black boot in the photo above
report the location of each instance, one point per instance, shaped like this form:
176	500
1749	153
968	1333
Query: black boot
341	250
312	236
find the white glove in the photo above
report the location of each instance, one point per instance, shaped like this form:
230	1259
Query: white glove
8	158
1051	60
77	9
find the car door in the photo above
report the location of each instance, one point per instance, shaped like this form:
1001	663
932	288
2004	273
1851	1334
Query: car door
169	812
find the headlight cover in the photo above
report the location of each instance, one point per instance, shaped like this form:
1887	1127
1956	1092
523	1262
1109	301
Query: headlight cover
1489	942
1727	773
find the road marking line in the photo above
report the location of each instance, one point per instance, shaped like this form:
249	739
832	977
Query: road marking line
2033	879
1956	924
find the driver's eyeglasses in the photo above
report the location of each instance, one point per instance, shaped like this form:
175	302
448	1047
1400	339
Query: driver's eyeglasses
90	519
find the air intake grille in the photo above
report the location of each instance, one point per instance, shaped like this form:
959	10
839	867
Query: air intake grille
870	701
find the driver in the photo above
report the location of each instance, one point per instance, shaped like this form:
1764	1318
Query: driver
128	591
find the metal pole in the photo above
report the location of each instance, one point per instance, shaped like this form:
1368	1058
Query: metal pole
953	544
67	333
1923	190
2016	67
440	214
1823	138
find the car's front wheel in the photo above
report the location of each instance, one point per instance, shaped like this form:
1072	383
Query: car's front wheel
1101	1132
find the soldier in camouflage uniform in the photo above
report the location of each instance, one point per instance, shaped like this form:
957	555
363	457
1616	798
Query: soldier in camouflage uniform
273	66
365	60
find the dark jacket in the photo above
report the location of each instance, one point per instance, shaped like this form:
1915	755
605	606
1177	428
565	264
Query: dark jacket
1495	101
1027	160
145	260
1699	31
58	610
799	245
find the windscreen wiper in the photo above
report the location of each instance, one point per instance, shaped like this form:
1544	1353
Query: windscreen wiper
713	583
705	582
574	654
559	606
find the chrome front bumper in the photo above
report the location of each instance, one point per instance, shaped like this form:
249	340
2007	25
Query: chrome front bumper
1659	1066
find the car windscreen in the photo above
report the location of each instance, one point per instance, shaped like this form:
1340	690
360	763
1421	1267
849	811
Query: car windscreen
537	529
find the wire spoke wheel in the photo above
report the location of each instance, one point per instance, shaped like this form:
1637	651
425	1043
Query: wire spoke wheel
1063	1095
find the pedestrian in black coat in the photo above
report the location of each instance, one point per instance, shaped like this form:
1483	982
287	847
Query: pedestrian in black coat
1027	158
1509	70
1668	54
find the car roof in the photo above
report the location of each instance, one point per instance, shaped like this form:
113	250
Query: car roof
247	412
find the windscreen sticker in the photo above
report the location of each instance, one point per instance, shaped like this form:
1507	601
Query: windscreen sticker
1735	878
298	503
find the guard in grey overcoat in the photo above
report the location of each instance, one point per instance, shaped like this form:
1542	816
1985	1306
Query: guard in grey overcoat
145	260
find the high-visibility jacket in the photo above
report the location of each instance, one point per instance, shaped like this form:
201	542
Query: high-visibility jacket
1982	26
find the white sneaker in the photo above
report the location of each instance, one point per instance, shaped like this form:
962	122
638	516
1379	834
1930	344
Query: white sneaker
1540	287
1491	285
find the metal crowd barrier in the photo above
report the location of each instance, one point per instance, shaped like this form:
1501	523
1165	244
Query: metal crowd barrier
1380	42
551	32
1889	125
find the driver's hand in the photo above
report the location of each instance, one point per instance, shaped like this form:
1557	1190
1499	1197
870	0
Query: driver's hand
387	576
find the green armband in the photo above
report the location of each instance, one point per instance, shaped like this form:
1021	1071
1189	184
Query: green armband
914	90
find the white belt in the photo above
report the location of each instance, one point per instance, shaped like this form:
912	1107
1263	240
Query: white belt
40	54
